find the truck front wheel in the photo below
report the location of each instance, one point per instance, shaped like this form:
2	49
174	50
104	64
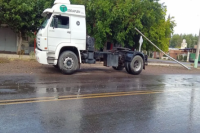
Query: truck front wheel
68	62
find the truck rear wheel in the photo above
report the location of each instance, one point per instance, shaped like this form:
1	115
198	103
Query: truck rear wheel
136	65
127	67
68	62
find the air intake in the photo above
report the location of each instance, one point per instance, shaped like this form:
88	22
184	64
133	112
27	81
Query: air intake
66	2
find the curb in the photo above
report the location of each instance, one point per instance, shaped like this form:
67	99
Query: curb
160	64
172	65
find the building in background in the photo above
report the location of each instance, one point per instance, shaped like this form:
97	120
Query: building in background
9	41
175	53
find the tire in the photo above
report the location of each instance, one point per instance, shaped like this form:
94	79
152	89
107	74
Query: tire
119	68
127	67
136	65
68	62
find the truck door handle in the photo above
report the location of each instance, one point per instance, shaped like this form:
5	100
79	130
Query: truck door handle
69	32
51	30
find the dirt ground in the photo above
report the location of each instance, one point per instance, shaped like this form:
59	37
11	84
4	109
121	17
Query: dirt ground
32	67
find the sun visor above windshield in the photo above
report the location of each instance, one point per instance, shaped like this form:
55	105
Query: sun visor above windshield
47	11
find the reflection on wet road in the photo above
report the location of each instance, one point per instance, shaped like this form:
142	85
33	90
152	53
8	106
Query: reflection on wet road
102	104
76	97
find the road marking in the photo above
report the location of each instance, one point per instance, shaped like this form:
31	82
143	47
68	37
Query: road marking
77	97
45	98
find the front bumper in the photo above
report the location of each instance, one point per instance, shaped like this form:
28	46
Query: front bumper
41	56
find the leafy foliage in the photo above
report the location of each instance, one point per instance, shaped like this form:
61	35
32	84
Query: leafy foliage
177	39
115	20
22	16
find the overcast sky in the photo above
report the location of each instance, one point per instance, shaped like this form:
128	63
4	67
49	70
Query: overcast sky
186	13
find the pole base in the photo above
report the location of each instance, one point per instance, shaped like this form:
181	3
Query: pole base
196	63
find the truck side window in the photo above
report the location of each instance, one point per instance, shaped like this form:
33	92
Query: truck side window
63	22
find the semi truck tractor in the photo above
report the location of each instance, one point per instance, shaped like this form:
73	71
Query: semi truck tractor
63	43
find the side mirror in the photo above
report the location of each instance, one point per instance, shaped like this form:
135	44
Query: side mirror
55	21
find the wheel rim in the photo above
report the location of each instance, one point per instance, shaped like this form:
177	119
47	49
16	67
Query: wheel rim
137	65
68	63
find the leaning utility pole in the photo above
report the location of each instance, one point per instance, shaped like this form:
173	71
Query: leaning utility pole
161	50
197	53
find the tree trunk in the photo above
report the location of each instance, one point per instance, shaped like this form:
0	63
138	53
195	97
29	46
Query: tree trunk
105	46
19	43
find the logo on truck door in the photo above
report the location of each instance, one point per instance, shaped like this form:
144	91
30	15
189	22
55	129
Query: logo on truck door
78	23
63	8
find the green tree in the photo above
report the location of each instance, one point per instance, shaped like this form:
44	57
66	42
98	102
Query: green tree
177	39
23	17
194	41
115	20
155	27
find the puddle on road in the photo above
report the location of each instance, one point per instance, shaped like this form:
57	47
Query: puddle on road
101	86
8	91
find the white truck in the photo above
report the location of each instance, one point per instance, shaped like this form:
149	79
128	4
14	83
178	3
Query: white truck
63	43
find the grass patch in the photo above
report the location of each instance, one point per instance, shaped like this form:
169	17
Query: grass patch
4	60
22	59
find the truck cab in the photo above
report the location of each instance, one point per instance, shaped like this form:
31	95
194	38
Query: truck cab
64	28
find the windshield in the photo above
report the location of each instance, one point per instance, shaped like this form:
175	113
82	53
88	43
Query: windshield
46	21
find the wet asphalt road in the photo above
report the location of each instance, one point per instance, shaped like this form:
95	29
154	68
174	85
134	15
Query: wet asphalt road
100	104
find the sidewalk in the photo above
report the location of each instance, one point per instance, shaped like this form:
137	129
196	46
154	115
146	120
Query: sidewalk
14	56
158	62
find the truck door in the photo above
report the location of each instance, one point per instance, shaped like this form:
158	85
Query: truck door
61	34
